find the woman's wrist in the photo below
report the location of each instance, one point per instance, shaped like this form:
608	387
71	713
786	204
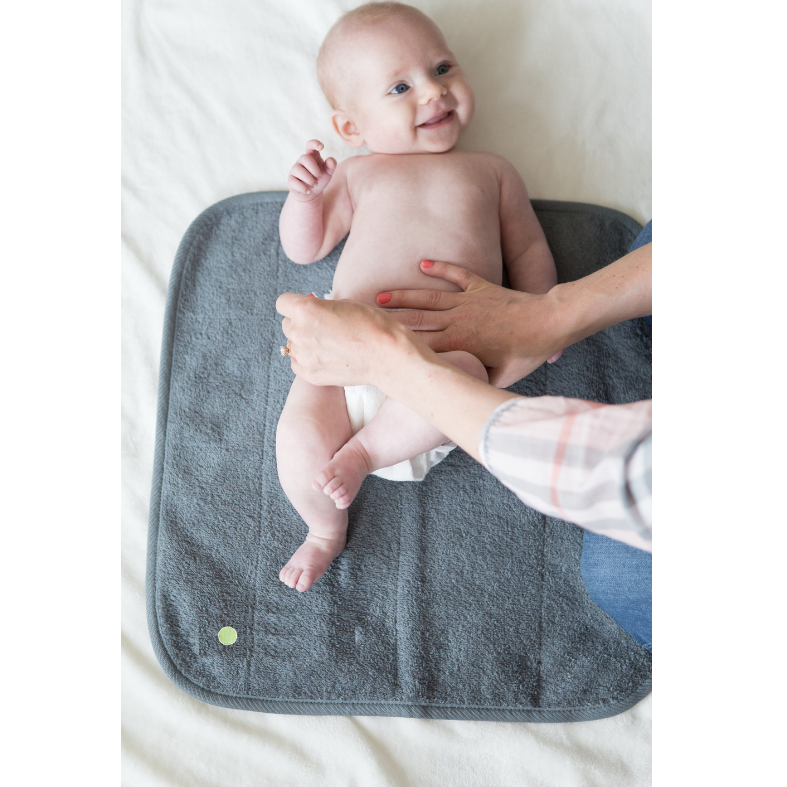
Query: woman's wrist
543	324
403	358
565	319
620	291
578	310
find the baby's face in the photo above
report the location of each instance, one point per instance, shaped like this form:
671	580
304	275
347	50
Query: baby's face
406	92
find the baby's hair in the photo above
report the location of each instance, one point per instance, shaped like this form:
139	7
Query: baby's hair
365	15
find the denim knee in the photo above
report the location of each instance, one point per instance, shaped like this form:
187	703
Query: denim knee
645	236
619	580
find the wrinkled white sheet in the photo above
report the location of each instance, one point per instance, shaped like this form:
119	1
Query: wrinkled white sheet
219	98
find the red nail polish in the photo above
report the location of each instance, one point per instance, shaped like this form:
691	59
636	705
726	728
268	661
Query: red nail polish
384	297
312	295
426	263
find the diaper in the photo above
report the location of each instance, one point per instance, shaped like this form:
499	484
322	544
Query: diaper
363	403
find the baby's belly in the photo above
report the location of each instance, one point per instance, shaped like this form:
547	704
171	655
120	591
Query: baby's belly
391	261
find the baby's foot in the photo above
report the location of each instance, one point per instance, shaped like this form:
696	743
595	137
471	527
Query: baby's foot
342	477
311	561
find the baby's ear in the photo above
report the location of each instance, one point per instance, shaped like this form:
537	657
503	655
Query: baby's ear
346	129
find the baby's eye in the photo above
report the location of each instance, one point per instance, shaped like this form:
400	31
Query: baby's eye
400	88
442	69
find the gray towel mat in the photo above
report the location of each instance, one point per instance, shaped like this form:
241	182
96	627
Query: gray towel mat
452	600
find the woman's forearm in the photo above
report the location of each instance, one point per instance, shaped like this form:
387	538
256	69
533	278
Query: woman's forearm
459	405
514	332
620	291
450	400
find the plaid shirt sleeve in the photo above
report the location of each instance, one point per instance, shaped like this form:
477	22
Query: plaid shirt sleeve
584	462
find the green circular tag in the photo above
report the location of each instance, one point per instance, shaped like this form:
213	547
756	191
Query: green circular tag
227	635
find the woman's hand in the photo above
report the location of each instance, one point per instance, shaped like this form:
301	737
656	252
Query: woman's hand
342	342
510	332
348	343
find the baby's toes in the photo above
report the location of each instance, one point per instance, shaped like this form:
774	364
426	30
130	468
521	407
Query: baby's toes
320	480
305	581
333	486
339	491
343	501
293	576
325	480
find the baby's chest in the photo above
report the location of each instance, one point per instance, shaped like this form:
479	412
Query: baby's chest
460	197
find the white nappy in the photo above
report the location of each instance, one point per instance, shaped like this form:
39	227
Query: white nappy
363	403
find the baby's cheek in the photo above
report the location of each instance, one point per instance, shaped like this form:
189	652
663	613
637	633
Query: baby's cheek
467	103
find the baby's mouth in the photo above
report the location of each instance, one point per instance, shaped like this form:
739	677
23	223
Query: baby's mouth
438	120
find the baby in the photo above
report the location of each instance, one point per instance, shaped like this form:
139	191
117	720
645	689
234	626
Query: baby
396	88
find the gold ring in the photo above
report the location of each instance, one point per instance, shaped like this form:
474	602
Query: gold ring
284	349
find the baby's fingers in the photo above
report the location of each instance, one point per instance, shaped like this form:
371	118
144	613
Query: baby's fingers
313	148
306	175
314	168
297	185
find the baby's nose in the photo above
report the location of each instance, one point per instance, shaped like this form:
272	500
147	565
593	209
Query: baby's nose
430	90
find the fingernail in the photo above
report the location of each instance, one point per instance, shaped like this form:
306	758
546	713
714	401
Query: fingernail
426	263
312	294
384	297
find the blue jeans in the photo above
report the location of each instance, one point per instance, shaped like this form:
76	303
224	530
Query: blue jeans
617	576
618	579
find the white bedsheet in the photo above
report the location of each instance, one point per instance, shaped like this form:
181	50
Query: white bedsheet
219	98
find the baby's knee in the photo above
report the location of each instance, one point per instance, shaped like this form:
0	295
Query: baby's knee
304	433
306	441
468	363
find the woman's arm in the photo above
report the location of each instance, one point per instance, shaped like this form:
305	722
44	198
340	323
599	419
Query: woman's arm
513	332
587	463
347	343
580	461
450	400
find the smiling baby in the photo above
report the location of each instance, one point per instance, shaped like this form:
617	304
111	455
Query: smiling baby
396	88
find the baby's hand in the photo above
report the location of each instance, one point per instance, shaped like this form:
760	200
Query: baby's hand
310	174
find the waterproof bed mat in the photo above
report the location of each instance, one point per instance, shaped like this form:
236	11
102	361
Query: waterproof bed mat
452	600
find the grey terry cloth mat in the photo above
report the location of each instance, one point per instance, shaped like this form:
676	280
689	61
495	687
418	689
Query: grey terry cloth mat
452	600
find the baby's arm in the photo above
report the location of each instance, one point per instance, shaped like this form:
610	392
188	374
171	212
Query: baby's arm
318	210
530	265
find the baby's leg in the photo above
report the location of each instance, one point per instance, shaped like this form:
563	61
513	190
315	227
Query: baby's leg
312	428
396	433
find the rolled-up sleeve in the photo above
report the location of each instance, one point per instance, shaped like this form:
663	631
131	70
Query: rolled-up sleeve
587	463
